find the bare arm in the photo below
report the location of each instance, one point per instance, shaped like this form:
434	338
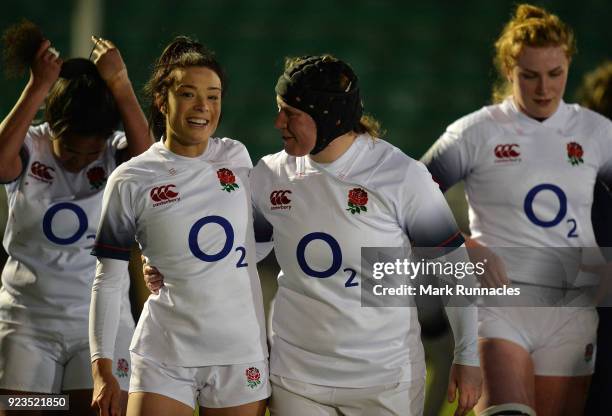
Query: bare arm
13	129
113	71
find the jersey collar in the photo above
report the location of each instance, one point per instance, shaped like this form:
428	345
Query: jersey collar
557	121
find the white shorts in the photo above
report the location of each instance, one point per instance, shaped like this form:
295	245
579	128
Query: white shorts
50	362
561	340
295	398
214	386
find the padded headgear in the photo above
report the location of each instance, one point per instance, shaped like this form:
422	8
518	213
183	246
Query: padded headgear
327	89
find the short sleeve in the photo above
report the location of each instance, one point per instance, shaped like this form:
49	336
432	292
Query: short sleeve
263	229
448	160
605	169
116	230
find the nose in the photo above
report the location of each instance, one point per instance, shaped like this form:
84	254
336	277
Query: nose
542	86
281	121
201	105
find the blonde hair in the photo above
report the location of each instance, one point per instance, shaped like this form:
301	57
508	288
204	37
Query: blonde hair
530	26
596	90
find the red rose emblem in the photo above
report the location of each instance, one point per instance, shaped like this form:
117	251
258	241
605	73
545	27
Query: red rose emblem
96	177
226	176
575	153
358	196
122	367
227	180
357	200
253	377
253	374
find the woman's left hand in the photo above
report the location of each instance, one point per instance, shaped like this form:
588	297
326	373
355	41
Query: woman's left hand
467	381
109	62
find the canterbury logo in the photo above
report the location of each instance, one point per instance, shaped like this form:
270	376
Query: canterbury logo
42	171
280	197
163	194
280	200
505	151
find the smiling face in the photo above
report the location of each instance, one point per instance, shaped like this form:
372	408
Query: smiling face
75	152
192	109
538	80
298	129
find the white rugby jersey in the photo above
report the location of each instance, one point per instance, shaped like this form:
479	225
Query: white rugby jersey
192	218
322	215
528	183
52	219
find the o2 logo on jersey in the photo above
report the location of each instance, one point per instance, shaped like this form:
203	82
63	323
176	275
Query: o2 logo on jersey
336	263
561	213
48	223
280	200
164	194
506	153
41	172
197	251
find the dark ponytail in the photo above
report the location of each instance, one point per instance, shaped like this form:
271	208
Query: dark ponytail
182	52
20	43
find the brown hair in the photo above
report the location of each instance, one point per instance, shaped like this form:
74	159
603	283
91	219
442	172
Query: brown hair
596	90
530	26
79	102
20	43
182	52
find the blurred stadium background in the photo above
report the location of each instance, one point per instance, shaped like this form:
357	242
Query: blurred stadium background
421	64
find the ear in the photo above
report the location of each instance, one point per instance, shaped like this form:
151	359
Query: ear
160	103
509	75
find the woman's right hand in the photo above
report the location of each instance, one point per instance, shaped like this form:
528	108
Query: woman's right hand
495	274
46	67
106	400
154	280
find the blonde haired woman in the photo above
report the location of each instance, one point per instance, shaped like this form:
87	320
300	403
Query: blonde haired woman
530	163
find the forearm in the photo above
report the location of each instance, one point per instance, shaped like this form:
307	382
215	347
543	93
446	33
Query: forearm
464	324
104	312
463	314
134	121
14	128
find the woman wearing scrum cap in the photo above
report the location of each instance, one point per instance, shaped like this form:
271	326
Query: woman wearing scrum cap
54	175
335	188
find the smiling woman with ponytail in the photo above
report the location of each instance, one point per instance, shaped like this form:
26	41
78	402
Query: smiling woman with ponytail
200	340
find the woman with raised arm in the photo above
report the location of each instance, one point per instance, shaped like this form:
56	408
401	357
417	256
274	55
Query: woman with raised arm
55	175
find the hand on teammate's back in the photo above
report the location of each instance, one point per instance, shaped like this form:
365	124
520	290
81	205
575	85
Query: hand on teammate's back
154	280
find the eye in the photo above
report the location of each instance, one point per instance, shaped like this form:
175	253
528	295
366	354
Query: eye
526	75
187	94
556	74
213	97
